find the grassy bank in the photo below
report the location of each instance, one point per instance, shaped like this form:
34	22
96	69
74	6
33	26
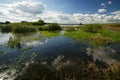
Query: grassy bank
96	34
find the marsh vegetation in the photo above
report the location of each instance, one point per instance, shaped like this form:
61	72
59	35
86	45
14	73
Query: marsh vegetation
27	27
97	34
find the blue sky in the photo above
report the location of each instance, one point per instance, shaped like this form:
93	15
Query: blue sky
72	6
61	11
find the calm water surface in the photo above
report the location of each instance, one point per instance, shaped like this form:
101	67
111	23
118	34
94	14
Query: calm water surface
18	49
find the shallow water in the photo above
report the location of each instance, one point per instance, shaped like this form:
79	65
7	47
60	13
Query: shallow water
19	48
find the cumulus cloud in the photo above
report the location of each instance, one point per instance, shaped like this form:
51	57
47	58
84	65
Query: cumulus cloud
22	10
109	2
102	10
33	11
28	7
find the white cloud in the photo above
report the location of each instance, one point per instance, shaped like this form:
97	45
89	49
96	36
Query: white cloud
109	2
102	10
27	7
116	13
103	4
33	11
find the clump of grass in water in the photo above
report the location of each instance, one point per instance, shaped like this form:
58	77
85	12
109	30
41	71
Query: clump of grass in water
50	33
98	40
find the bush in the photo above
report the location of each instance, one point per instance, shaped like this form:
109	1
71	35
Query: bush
54	27
50	27
93	28
7	22
40	22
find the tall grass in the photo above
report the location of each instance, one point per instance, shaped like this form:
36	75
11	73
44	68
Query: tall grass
81	35
25	27
50	34
93	28
50	27
96	34
6	28
111	34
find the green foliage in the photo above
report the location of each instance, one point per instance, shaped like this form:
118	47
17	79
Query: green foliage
93	28
70	28
111	34
7	22
40	22
18	28
96	39
43	28
14	43
50	27
6	28
51	33
96	35
54	27
79	35
24	29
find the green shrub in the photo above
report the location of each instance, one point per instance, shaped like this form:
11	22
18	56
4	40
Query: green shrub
54	27
50	27
43	28
93	28
40	22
